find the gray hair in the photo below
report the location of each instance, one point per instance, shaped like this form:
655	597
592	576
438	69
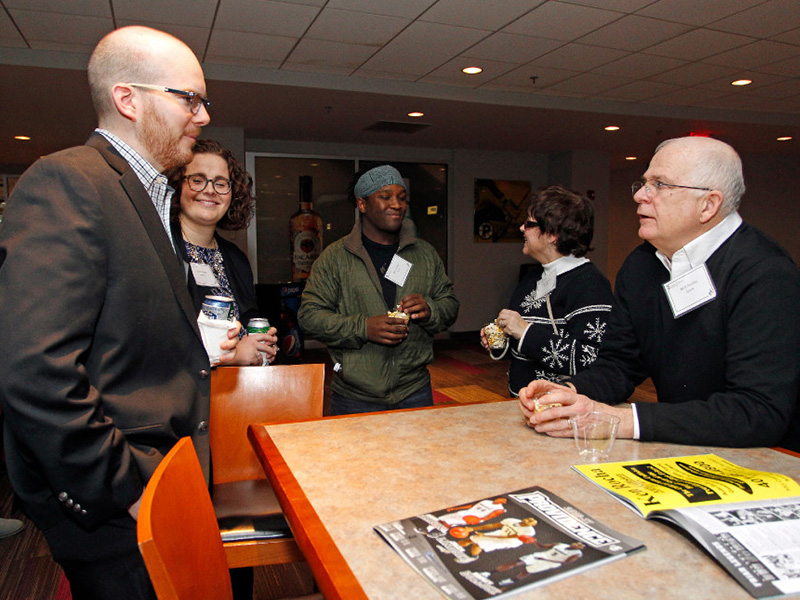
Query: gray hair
718	167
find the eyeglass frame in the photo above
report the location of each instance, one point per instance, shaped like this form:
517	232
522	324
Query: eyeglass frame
213	183
658	185
530	224
194	105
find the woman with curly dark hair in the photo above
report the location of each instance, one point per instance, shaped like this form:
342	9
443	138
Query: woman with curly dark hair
557	316
214	191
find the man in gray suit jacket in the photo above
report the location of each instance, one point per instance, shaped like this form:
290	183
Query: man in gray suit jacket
102	366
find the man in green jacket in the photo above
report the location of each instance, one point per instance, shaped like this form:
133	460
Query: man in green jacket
380	361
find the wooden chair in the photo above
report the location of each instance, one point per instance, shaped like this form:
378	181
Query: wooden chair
177	531
253	528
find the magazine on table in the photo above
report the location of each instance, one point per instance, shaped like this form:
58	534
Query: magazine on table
747	520
504	544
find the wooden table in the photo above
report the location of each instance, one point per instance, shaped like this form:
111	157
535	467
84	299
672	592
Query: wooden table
337	478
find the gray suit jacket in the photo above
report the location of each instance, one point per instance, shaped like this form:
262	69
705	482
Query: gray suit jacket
102	367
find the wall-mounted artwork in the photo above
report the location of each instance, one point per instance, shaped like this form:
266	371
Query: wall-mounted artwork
499	209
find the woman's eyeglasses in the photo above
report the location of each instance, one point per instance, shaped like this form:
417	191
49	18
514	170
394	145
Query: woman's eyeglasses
198	183
530	224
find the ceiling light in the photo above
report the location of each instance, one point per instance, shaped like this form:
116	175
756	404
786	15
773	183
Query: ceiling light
784	138
740	82
416	114
23	138
471	70
630	158
612	128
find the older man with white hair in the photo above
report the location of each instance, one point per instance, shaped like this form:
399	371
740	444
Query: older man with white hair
707	307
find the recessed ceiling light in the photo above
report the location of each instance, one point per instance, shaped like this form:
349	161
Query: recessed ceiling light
741	82
23	138
612	128
471	70
630	158
784	138
416	113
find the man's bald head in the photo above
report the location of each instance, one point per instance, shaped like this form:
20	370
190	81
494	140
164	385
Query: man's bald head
128	54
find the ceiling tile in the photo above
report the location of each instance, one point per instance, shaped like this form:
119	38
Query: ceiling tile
754	55
786	88
698	44
693	74
640	65
626	6
789	67
409	9
696	13
450	73
86	8
630	92
634	33
578	57
491	15
330	54
588	84
770	18
9	36
685	97
167	11
347	26
788	37
520	78
263	16
561	21
245	45
423	47
67	30
507	47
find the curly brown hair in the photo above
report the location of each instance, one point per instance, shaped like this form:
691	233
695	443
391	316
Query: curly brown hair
566	214
242	199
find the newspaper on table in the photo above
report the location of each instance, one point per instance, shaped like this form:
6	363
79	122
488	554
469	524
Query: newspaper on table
497	546
747	520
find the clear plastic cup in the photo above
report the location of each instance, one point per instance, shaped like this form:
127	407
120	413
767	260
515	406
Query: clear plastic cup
594	434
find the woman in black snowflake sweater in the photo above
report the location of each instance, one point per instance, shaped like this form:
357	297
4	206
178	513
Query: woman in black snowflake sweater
559	312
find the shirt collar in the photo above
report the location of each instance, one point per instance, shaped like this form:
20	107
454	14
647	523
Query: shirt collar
700	249
564	264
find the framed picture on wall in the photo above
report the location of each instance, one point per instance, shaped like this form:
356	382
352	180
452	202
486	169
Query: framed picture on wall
499	209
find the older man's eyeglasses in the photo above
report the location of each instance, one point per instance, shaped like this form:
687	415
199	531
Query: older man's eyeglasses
530	224
198	183
193	98
651	188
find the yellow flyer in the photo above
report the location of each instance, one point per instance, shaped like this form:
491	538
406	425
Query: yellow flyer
672	483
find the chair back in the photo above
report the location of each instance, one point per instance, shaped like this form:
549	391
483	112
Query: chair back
177	531
244	395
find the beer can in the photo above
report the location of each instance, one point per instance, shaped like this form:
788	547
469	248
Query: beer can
257	325
218	307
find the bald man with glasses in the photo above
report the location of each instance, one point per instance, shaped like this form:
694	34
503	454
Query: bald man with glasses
707	307
102	365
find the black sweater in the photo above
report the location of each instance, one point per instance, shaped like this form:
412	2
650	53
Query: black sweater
727	373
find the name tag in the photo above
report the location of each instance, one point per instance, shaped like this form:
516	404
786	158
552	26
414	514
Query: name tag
689	291
398	270
204	275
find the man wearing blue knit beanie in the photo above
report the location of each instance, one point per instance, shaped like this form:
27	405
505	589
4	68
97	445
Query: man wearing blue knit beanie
376	298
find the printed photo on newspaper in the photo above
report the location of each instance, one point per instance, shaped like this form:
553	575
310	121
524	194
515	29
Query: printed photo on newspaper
747	520
496	546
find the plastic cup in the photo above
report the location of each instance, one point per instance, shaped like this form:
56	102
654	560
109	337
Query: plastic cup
594	434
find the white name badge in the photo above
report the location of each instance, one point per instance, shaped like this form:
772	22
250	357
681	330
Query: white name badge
204	275
689	291
398	270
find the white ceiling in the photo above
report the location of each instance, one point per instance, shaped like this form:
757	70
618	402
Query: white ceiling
325	70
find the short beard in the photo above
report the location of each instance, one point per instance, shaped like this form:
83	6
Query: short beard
155	137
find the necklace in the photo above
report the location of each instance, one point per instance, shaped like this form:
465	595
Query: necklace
211	244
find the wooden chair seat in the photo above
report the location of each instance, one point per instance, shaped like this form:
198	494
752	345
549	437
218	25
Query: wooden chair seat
248	509
244	501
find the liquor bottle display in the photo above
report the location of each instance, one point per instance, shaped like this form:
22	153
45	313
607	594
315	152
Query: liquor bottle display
305	230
